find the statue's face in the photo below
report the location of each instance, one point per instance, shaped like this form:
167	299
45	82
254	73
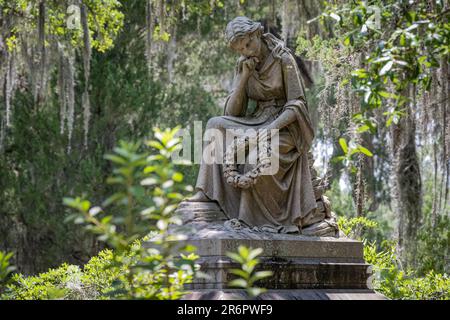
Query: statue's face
248	45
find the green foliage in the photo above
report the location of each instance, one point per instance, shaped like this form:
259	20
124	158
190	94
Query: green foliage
431	287
105	20
92	281
434	245
396	283
404	42
156	270
354	227
390	278
55	284
247	277
382	51
5	269
147	193
351	150
126	102
29	213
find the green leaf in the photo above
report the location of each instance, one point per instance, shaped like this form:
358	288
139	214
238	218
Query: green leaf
235	257
115	180
155	144
156	157
402	40
150	169
70	202
243	252
385	94
249	266
149	181
386	68
389	120
335	16
115	159
137	191
348	40
363	128
343	144
262	275
360	73
112	199
240	283
240	273
365	151
85	205
338	159
254	253
177	177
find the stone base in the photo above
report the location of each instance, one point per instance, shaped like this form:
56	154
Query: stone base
304	267
297	262
304	294
288	273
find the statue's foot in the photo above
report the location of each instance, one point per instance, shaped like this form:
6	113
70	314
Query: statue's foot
200	196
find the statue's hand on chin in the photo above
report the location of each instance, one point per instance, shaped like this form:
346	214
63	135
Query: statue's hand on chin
248	66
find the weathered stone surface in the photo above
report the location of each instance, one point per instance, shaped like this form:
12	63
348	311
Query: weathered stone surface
297	261
288	274
200	212
217	243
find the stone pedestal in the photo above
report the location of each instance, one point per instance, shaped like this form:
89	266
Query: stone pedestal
303	267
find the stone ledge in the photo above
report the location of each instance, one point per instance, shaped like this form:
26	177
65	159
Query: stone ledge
323	249
287	274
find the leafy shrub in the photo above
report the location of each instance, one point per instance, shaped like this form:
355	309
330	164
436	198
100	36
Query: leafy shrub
390	278
434	245
247	277
5	268
354	227
147	193
66	281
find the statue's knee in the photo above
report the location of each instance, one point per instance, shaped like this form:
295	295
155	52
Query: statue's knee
214	123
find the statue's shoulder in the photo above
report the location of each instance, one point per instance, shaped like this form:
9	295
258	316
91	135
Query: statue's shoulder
287	58
278	48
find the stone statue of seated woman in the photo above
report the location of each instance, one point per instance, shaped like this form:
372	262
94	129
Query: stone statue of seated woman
291	199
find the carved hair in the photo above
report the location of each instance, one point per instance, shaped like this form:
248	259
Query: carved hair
239	27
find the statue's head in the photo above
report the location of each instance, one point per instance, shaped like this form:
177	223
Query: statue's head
244	36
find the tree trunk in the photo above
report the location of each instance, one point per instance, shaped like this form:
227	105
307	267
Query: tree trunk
407	183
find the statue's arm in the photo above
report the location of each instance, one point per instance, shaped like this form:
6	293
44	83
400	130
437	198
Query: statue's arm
294	92
285	118
236	104
296	102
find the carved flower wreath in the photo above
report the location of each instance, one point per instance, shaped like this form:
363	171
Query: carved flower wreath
248	179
